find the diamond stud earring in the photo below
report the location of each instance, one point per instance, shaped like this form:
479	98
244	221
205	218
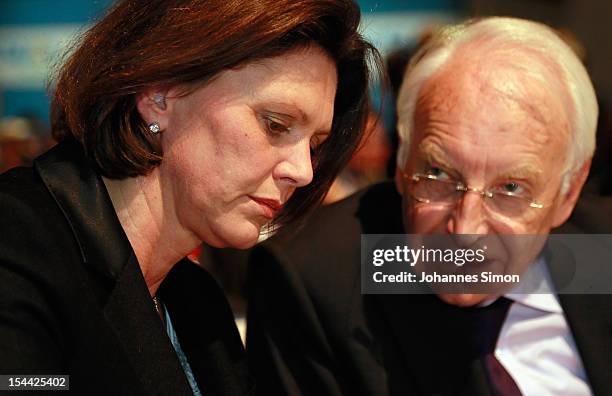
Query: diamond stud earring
154	128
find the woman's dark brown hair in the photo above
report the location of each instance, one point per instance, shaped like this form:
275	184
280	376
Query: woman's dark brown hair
141	44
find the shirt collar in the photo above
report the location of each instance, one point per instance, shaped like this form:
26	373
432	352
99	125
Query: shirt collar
535	289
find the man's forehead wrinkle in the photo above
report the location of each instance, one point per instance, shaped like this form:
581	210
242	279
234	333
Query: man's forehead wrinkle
436	96
432	152
470	87
450	111
516	91
524	75
438	136
535	102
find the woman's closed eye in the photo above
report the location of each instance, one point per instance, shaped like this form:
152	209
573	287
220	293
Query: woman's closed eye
275	126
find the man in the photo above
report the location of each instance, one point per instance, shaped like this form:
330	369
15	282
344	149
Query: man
496	121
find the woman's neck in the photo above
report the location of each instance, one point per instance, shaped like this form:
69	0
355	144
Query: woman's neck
155	234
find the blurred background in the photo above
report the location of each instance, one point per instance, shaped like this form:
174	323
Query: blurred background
35	34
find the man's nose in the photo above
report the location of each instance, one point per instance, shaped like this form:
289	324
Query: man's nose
296	166
468	216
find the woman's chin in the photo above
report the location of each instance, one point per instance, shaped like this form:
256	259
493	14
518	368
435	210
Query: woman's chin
244	243
237	237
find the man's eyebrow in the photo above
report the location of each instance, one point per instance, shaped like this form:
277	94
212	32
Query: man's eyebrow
526	171
434	155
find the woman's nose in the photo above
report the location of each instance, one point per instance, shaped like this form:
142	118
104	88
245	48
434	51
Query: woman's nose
296	166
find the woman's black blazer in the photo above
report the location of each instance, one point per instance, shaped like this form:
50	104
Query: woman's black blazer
73	299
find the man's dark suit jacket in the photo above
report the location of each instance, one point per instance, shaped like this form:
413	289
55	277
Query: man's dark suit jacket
73	299
312	332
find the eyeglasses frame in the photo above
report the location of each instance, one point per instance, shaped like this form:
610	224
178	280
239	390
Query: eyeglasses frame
462	187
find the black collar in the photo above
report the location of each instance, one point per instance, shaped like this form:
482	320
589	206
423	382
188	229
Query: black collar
82	197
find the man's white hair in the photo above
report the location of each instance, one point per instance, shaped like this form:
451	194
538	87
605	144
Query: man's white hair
521	41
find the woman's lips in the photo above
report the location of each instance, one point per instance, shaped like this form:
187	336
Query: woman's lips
270	207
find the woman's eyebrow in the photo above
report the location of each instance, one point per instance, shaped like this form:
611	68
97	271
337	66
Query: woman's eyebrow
292	110
287	108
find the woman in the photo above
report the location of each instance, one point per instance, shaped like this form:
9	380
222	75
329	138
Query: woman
178	122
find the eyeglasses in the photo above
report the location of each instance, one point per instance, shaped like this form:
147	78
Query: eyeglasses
431	189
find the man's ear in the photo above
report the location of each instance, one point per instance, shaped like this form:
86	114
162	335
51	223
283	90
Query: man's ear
569	199
154	106
399	181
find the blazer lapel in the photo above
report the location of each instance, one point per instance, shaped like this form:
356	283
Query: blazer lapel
206	330
132	315
590	320
589	317
82	197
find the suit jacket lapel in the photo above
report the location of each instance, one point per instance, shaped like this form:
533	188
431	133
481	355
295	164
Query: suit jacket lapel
590	320
81	196
206	330
132	315
589	316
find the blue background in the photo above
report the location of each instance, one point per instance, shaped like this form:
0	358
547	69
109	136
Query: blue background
37	13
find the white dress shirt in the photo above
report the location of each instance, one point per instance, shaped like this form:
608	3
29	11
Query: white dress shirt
535	344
